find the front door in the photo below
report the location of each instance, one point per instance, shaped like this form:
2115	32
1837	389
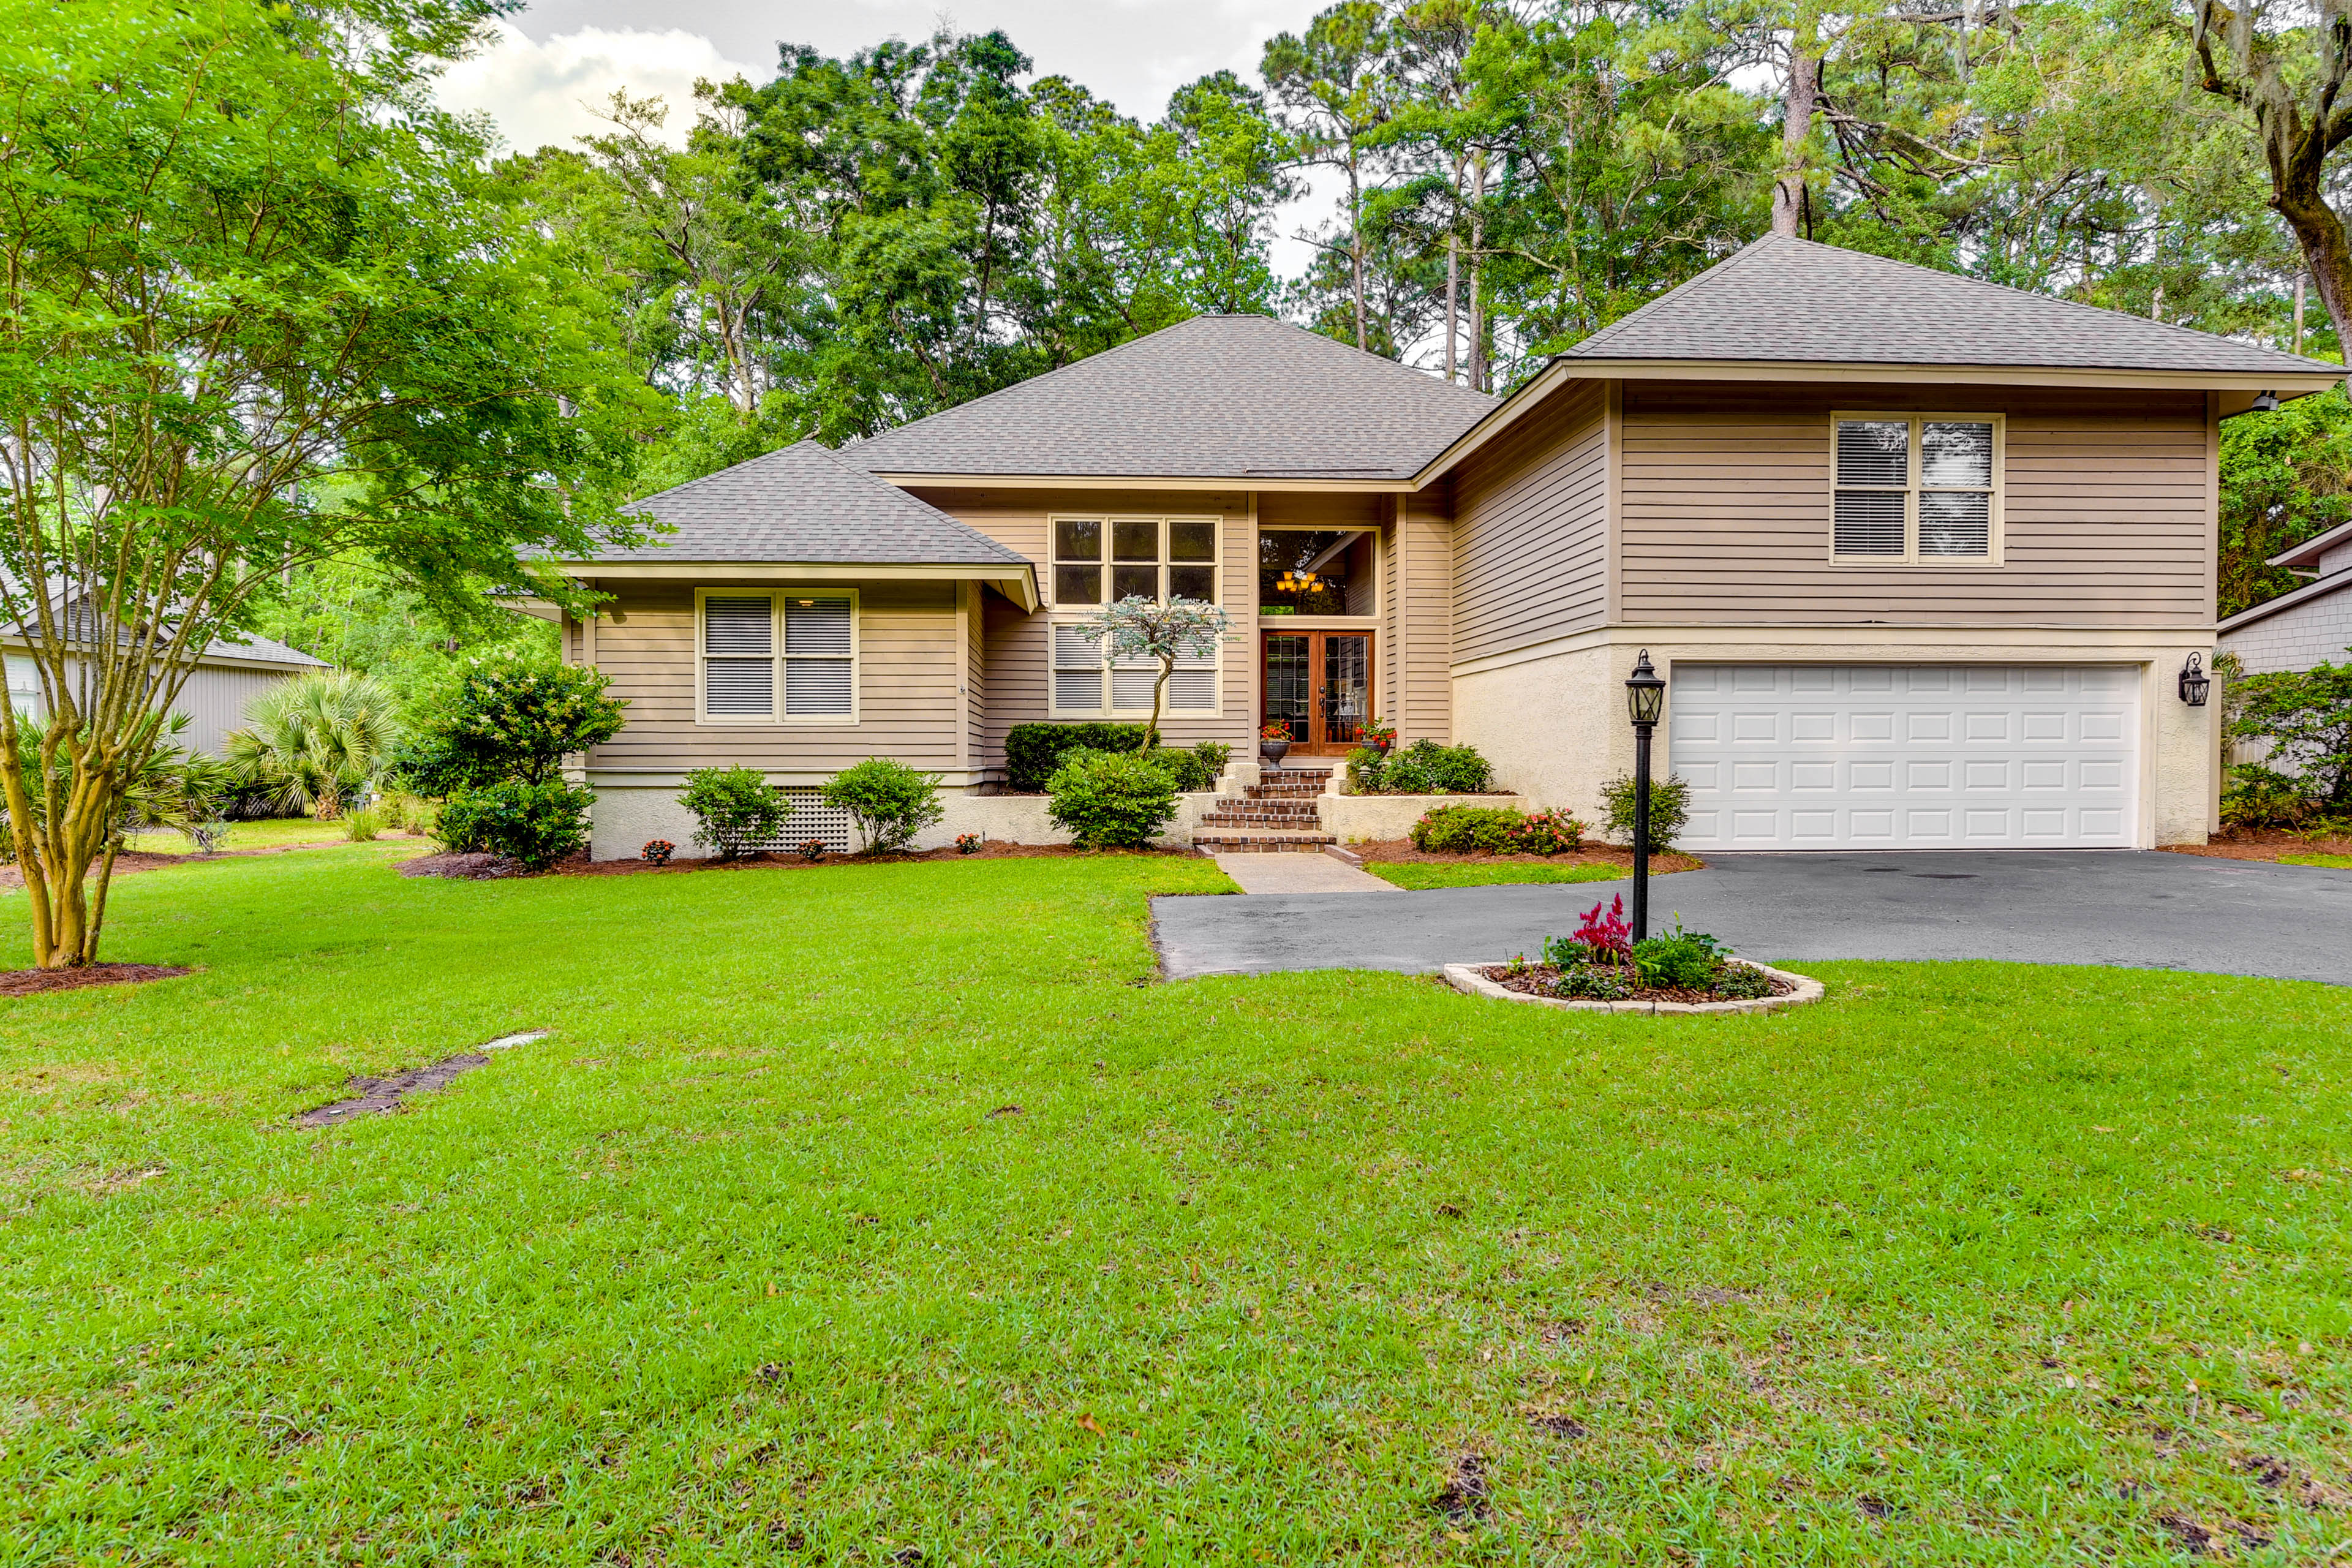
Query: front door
1320	685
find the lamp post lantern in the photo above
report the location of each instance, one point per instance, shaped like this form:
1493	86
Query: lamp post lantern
1646	699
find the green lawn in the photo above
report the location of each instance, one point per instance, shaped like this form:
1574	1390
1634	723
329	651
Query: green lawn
2338	862
270	832
860	1209
1440	874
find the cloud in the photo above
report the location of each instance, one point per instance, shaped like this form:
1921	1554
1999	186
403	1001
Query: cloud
548	92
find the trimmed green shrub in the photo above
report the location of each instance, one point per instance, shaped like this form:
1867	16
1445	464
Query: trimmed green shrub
1032	752
891	800
1423	768
1679	958
2306	716
1111	799
1188	770
1669	809
1465	829
535	824
1213	755
509	718
2260	797
735	809
361	827
1547	833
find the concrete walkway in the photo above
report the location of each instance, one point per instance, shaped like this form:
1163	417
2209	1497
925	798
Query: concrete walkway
2149	911
1294	873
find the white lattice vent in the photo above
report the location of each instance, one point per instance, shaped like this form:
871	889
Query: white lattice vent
812	818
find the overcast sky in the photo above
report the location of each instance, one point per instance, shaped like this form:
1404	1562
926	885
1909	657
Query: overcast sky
561	57
562	54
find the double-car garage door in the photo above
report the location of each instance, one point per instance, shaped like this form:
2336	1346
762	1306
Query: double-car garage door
1923	756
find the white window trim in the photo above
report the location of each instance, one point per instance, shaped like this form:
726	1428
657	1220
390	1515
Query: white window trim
1058	614
1995	541
777	718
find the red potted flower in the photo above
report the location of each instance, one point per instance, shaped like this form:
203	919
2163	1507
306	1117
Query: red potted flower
1378	736
1274	741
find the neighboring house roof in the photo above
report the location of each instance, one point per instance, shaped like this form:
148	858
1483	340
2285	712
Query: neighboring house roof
2308	552
1781	300
1216	397
259	650
803	506
2334	583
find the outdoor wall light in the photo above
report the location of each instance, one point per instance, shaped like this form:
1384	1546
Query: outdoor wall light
2194	682
1646	699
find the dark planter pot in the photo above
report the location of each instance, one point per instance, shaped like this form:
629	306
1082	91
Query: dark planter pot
1380	746
1274	750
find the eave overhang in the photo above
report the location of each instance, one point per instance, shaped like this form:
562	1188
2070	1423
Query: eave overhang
1017	581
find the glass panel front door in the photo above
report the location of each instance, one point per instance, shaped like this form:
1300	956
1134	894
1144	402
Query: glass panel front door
1319	684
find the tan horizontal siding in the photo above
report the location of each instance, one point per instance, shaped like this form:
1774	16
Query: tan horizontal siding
907	687
1015	646
1425	705
1530	529
2108	512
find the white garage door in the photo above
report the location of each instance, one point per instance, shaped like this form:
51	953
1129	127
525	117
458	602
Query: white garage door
1906	756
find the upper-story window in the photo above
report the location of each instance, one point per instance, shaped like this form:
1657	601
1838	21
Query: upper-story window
1920	488
1101	560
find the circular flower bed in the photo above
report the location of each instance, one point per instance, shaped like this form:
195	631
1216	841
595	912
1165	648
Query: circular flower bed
1538	982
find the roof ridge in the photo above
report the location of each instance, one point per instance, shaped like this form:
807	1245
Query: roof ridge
2192	333
715	473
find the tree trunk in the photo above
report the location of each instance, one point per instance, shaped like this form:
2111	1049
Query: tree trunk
1158	690
1453	281
1790	204
1356	244
1481	378
2303	203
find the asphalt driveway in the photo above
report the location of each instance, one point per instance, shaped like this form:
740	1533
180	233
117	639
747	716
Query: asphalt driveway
2148	910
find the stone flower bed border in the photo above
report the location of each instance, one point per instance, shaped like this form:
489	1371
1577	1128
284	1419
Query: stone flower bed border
1465	978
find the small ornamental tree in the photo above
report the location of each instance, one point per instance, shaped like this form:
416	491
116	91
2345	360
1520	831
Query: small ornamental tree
1141	628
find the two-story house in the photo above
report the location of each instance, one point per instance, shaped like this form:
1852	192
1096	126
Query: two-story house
1921	558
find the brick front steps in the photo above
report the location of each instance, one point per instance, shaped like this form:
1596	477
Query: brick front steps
1277	816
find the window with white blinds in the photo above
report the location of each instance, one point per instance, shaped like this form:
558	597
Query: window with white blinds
1917	488
1087	682
769	656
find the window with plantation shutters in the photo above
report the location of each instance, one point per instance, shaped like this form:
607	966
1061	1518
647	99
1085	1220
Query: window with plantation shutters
1917	488
1078	670
820	657
1085	682
772	658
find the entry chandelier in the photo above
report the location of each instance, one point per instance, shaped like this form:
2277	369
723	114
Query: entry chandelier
1300	581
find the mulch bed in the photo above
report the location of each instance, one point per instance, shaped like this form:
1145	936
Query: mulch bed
1537	979
1400	851
2260	844
30	982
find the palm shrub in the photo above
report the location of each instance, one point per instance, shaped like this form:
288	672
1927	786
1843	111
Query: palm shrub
310	742
1110	799
889	801
172	790
1669	809
734	809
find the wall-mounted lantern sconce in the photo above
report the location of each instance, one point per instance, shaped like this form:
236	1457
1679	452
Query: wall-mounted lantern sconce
2194	682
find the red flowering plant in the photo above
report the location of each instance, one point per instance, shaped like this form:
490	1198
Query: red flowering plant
967	843
658	850
1601	938
1277	731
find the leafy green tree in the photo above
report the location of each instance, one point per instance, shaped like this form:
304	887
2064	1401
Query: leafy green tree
2287	476
1141	629
510	718
256	310
1334	91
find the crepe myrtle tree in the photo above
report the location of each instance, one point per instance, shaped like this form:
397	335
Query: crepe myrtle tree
257	308
1141	629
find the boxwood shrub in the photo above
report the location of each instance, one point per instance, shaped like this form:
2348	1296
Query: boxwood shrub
1032	752
1111	799
535	824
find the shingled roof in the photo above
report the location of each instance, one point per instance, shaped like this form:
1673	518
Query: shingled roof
1790	301
803	506
1222	397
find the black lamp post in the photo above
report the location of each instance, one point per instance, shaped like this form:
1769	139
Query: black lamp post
1646	699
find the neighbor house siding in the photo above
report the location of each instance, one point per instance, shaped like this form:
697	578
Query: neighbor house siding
1015	644
1530	528
2316	631
2108	515
907	704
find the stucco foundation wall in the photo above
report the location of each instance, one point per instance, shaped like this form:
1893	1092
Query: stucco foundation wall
1554	724
626	815
1353	818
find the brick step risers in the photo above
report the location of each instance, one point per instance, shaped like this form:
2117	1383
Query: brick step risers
1282	791
1263	843
1303	822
